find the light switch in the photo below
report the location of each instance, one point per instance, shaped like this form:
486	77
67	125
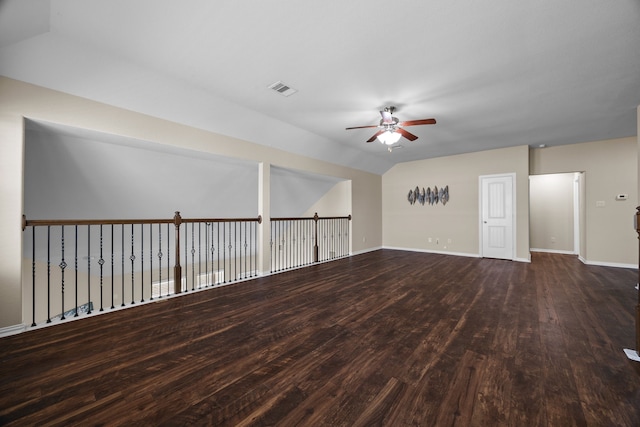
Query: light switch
600	204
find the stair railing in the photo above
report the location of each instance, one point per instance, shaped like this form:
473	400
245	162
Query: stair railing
82	264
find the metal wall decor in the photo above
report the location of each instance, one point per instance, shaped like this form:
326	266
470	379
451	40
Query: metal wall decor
429	196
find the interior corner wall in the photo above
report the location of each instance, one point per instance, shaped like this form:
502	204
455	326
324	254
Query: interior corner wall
22	100
610	168
455	227
335	202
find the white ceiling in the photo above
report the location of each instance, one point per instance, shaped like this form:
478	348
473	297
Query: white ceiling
494	74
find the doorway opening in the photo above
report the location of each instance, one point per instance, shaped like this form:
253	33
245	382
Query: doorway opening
556	217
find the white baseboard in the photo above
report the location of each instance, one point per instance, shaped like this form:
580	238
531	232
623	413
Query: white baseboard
608	264
364	251
12	330
585	261
464	254
552	251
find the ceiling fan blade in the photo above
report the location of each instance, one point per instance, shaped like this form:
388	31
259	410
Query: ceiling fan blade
363	127
373	138
408	135
418	122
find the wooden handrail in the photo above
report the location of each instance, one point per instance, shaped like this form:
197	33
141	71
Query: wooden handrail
45	222
314	218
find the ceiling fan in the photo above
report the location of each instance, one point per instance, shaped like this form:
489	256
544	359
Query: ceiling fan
391	129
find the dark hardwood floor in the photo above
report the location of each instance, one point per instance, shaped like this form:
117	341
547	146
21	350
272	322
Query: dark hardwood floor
386	338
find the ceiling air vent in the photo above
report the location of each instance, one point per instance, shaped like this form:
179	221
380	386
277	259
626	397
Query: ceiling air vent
283	89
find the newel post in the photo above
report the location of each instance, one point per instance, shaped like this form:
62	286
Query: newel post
177	269
315	246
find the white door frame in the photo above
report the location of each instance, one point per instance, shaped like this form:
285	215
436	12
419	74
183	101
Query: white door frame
511	175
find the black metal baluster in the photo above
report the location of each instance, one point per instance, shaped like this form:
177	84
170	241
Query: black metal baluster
227	250
289	243
76	268
89	305
151	259
221	253
294	242
141	262
168	260
276	246
303	237
186	257
101	264
206	253
160	260
333	239
193	258
48	274
33	275
271	235
62	266
254	259
310	225
112	269
339	226
236	239
300	244
281	246
122	263
215	268
132	257
199	255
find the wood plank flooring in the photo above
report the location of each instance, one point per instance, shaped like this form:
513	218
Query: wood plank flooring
385	338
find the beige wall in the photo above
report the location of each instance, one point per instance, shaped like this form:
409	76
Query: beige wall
610	168
19	100
335	202
454	228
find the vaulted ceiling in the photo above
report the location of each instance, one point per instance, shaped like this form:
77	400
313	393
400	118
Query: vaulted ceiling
493	74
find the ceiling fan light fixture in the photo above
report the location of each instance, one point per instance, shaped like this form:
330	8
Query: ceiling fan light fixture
389	137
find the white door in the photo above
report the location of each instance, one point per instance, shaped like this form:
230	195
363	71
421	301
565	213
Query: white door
497	234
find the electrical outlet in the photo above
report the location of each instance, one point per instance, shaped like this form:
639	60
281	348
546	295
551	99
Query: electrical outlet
430	240
449	241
